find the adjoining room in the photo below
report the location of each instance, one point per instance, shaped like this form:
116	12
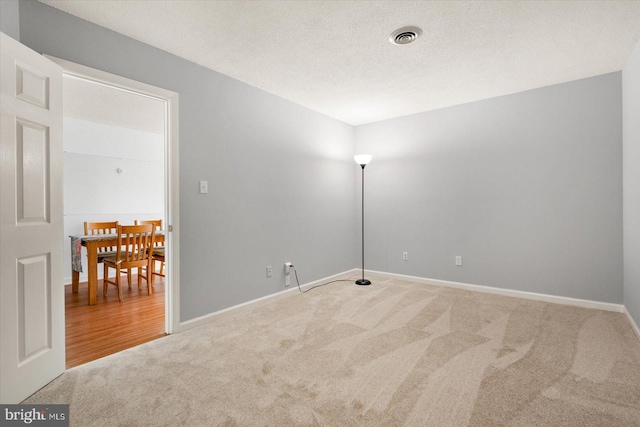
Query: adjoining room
114	146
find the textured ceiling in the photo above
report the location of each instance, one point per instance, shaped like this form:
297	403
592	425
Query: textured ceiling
94	102
334	56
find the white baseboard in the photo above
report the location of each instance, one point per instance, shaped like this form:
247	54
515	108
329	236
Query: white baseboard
83	278
632	322
619	308
192	323
511	293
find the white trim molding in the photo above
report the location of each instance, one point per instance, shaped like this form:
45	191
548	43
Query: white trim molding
192	323
618	308
632	322
510	293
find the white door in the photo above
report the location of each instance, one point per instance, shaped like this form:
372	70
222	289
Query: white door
32	343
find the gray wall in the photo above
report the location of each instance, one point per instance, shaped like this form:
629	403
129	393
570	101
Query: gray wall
280	175
526	187
9	18
631	182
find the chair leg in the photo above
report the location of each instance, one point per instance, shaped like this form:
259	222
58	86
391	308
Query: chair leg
161	267
150	276
139	278
129	277
105	280
118	283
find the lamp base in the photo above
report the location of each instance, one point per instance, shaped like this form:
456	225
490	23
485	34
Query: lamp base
363	282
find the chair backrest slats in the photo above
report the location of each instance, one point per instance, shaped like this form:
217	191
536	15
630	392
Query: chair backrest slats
157	224
135	244
93	228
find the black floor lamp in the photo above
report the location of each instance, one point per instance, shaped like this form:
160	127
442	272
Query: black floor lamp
362	160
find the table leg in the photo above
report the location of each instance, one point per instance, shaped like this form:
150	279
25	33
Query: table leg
92	261
75	280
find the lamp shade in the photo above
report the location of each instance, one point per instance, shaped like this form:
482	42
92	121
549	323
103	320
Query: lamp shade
362	159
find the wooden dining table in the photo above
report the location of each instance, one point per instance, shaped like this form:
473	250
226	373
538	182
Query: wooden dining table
93	243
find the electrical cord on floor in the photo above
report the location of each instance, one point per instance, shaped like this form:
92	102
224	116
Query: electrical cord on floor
316	286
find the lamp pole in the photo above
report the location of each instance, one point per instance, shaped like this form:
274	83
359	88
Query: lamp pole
362	160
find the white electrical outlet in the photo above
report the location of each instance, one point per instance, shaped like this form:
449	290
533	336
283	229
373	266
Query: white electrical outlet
458	260
287	273
269	272
405	256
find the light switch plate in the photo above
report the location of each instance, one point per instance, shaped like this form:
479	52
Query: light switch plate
204	187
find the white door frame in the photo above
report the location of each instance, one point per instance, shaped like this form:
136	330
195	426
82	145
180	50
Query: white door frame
171	183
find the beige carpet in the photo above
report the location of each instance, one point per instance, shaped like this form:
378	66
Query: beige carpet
393	353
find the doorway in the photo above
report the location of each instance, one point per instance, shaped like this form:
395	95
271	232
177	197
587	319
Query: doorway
120	164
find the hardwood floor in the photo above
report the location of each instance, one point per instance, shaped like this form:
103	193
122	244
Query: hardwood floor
111	326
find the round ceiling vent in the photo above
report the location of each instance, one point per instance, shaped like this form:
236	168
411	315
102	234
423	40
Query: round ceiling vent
405	35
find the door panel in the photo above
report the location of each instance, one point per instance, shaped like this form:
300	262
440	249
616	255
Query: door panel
32	172
31	288
32	86
34	313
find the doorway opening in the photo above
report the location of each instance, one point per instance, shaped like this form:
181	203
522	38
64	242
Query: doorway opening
120	164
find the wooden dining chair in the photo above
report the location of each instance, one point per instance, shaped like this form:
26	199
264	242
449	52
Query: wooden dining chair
93	228
134	250
158	250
